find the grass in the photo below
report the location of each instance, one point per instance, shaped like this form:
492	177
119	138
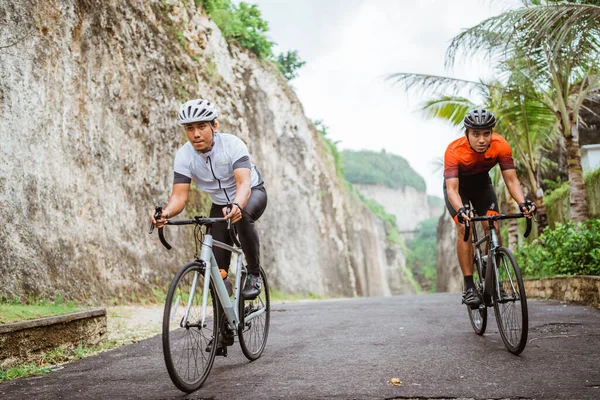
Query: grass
51	361
14	311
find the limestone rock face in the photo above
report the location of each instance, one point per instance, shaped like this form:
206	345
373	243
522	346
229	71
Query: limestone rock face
89	95
449	276
409	205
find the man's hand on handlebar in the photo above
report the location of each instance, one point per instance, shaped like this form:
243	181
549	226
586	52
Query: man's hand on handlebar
528	208
233	212
464	214
159	217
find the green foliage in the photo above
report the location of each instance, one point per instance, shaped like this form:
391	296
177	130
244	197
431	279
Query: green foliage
557	201
592	188
11	310
421	256
551	185
331	146
49	360
568	249
182	40
242	24
557	205
288	63
372	168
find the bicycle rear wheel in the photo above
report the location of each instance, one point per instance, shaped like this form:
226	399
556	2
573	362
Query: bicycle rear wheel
510	305
184	344
478	316
255	316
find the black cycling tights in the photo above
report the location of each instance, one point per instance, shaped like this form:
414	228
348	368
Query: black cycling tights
247	232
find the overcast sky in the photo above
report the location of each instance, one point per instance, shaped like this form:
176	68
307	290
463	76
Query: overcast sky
350	46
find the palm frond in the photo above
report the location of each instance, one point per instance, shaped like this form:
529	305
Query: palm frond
434	83
559	28
449	108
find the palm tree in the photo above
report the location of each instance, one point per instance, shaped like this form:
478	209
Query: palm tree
561	41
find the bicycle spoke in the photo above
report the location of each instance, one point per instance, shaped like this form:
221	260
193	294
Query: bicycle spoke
253	333
184	347
511	305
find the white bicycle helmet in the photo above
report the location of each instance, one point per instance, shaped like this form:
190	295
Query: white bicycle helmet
196	111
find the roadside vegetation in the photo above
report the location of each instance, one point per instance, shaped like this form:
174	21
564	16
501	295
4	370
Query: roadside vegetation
568	249
14	310
421	255
243	25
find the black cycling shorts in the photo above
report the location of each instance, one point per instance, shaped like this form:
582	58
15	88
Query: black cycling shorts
479	192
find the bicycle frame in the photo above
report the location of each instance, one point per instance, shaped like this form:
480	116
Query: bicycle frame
493	242
212	272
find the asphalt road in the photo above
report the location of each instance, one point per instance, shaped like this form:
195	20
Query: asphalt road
350	349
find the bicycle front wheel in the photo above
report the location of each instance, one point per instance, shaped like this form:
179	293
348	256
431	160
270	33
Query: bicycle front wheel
188	357
478	316
255	316
510	305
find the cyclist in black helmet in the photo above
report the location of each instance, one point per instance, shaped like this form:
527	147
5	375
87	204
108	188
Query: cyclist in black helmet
467	162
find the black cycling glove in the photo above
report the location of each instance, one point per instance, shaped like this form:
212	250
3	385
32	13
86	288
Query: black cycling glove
460	212
527	205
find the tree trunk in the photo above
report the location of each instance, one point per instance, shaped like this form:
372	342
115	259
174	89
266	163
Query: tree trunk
579	207
541	215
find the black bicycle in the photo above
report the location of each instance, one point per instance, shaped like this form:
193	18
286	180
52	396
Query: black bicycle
499	284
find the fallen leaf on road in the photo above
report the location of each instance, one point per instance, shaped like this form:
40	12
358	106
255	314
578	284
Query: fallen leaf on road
394	381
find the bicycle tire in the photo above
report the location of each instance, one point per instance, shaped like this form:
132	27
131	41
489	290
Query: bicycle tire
478	316
185	347
253	334
510	307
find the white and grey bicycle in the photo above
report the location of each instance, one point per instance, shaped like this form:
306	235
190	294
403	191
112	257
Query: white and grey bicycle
198	309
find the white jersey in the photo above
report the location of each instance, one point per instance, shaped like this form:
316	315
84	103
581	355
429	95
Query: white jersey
212	171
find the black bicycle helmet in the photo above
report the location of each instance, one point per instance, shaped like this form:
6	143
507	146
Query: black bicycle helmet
479	118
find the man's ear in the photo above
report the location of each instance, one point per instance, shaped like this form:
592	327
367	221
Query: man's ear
215	124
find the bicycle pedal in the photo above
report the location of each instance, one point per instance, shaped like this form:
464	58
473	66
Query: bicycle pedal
221	351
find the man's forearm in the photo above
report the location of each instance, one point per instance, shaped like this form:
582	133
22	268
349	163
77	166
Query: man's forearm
515	190
175	205
242	194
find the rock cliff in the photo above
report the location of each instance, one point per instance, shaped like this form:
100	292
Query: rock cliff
408	205
448	274
89	93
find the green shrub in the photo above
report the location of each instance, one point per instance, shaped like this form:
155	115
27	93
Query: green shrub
331	146
288	63
592	192
242	24
421	256
568	249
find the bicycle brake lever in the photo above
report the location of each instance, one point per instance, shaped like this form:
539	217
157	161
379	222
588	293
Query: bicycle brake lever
157	215
229	220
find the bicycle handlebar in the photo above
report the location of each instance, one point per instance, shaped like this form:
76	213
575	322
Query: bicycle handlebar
194	221
496	218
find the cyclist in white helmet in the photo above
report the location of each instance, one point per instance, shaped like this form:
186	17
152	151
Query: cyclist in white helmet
219	164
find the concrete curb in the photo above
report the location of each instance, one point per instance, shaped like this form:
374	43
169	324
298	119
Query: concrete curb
576	289
23	341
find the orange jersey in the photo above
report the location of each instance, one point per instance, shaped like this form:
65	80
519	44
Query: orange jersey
460	160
